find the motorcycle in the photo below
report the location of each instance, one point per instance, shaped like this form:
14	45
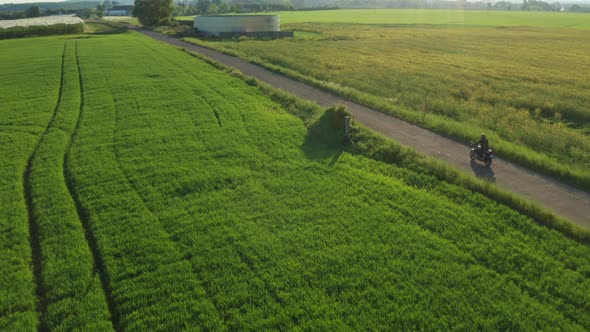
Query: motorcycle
485	156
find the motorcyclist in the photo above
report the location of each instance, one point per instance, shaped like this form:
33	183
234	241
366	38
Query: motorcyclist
483	143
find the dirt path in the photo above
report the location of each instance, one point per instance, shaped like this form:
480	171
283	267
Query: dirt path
563	199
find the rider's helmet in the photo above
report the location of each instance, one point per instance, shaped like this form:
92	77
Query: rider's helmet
483	136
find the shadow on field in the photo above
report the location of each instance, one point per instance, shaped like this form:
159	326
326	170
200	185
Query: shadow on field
325	137
483	172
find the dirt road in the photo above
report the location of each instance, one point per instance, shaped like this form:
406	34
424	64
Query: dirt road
563	199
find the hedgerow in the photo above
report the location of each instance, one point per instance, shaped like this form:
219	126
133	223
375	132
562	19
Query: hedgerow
41	30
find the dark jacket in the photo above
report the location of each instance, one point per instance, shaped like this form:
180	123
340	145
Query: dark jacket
484	144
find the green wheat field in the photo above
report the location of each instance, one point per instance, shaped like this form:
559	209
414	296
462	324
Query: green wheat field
144	189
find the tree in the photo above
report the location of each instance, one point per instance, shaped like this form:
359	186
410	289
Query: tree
192	8
33	12
203	5
225	8
180	9
579	9
100	10
237	7
287	5
153	12
84	13
212	9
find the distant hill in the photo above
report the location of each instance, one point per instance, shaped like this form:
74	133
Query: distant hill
14	7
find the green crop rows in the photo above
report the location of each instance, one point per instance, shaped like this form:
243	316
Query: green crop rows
146	190
512	83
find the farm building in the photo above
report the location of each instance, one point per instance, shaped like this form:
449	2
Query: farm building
119	11
241	25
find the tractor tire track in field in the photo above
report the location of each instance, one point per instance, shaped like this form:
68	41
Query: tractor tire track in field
218	118
83	214
133	184
244	258
252	266
34	236
178	246
562	199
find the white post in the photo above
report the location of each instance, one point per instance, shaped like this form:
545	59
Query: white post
347	126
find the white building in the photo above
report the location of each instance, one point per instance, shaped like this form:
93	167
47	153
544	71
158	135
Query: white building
219	24
119	11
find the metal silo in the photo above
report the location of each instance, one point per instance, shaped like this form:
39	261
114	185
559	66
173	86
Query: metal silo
217	24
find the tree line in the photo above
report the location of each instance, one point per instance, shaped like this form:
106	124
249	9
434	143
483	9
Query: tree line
36	11
202	7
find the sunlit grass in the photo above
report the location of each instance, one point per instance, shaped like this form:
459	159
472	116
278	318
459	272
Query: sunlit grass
452	17
511	83
211	206
259	207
